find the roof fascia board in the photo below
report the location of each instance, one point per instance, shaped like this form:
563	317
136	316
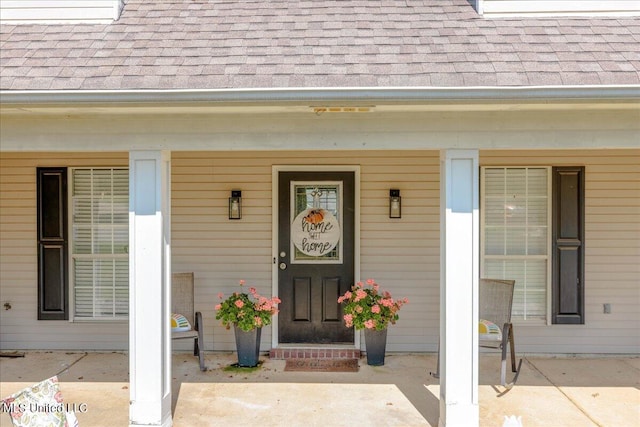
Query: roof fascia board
319	96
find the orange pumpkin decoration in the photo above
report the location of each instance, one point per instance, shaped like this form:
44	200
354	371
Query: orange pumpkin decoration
315	216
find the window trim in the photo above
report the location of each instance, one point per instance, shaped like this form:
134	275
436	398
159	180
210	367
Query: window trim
71	257
548	257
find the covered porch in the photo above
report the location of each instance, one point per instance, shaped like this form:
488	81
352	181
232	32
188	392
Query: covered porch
183	158
513	144
584	391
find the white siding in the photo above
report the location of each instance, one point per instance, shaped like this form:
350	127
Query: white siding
402	255
491	8
60	11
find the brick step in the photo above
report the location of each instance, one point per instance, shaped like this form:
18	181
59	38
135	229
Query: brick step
314	353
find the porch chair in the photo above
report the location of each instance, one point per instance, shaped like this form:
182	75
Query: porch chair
495	304
182	304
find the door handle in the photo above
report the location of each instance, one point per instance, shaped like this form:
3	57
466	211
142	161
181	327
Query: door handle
283	266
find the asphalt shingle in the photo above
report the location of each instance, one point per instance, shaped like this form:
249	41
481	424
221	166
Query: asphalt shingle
180	44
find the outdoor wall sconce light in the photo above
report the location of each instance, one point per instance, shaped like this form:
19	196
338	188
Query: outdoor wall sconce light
395	204
235	204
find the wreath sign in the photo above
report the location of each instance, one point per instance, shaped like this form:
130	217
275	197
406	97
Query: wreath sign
315	232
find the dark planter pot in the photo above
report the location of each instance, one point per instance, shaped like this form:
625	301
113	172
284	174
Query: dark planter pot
248	346
376	344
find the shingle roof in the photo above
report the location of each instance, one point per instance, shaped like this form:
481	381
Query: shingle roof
192	44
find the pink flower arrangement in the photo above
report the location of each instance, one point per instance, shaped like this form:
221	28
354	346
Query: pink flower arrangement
248	311
365	306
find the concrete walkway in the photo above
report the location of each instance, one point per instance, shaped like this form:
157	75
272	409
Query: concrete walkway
551	391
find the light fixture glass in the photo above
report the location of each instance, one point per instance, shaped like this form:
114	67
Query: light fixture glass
235	204
395	204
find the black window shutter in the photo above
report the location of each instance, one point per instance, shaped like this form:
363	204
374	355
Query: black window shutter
568	245
53	291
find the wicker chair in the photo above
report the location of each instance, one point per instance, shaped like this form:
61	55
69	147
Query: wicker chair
182	303
495	303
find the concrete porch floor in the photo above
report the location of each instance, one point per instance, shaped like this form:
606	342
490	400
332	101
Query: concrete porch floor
551	391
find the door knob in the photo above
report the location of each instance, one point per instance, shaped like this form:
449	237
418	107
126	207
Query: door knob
283	266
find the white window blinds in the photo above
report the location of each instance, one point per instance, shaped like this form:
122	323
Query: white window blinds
100	239
515	206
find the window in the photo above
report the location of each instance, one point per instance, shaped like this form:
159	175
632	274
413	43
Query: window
99	242
516	236
533	233
308	243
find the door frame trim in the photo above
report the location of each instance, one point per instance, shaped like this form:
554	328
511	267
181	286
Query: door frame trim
275	170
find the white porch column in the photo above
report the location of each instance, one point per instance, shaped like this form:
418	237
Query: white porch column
459	189
149	288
